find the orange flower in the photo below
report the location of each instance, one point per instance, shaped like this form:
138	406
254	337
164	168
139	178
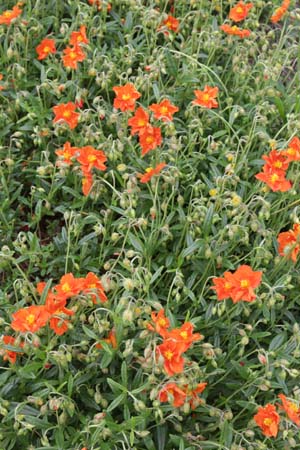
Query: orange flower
245	281
206	98
149	138
268	420
68	286
173	394
58	323
73	55
1	78
138	121
163	110
30	319
46	47
194	400
89	157
126	97
289	242
10	355
93	287
292	410
79	37
67	153
66	112
99	5
275	161
161	323
239	285
183	336
274	179
236	31
240	11
279	12
173	361
111	339
223	286
292	153
171	23
87	183
150	172
9	15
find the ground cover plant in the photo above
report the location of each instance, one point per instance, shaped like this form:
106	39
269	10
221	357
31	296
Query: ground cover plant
150	229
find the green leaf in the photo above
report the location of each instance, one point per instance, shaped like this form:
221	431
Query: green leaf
115	387
136	243
161	436
116	402
277	341
70	385
227	434
124	374
90	333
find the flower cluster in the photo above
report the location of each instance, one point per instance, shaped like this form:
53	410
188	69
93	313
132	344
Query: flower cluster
238	13
175	341
268	419
87	156
74	53
276	165
150	137
100	4
71	54
54	311
239	285
178	396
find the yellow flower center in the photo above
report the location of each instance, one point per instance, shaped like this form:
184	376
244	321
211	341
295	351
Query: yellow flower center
278	164
184	334
294	407
239	10
141	122
245	283
92	286
291	151
47	49
267	422
66	287
148	170
7	14
30	319
227	285
73	55
162	322
274	177
164	109
125	96
66	114
91	158
149	139
206	97
169	355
